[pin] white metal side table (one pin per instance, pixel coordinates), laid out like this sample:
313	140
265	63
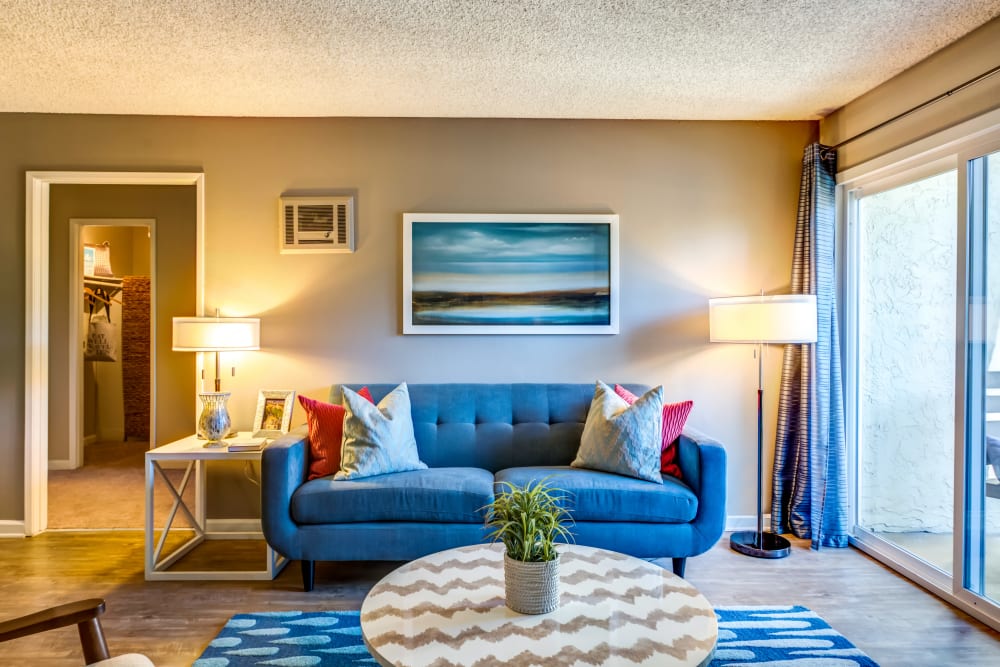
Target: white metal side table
193	450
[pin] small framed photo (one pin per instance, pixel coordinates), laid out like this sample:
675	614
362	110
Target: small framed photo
274	412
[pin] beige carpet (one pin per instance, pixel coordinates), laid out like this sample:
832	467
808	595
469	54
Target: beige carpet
108	491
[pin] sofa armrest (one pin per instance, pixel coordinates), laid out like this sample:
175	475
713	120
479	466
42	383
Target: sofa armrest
284	467
703	464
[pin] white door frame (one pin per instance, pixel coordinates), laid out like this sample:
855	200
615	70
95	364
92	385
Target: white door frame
76	335
36	339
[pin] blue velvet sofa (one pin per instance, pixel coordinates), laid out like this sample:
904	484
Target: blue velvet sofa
472	436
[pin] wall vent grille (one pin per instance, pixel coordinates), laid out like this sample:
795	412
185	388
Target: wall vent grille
316	224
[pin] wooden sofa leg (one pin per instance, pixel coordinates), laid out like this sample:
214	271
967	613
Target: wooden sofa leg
308	574
679	564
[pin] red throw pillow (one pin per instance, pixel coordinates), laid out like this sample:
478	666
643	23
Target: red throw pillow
326	433
674	417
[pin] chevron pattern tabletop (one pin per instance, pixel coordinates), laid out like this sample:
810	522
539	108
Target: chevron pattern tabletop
447	609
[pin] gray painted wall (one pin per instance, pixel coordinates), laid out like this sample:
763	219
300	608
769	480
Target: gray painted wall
707	209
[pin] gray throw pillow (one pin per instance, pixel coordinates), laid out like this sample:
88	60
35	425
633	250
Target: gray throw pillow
622	438
378	439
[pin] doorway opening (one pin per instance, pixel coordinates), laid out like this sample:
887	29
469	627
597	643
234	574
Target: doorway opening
111	424
46	393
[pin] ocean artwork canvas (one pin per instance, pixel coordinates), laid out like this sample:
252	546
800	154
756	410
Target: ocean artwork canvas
510	274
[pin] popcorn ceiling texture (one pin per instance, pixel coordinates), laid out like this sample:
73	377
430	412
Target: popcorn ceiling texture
685	59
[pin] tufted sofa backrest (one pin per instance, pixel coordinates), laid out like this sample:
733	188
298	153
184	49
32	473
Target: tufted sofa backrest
495	426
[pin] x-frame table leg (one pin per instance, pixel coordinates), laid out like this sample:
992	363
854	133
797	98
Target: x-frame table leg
153	560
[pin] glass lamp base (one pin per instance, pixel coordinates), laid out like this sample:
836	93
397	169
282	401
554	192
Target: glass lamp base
760	545
214	421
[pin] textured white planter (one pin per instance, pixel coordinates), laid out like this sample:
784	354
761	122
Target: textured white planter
531	588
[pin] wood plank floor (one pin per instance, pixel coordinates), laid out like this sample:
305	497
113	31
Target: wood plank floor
894	621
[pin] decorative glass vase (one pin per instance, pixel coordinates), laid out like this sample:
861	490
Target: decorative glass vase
531	588
214	422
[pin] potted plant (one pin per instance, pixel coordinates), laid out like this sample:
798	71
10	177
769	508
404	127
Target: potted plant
529	520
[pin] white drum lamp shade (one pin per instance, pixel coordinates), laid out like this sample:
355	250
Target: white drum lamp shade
214	334
783	318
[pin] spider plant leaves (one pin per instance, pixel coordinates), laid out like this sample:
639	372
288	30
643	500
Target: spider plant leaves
530	520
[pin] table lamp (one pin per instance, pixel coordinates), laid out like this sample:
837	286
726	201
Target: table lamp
784	318
215	334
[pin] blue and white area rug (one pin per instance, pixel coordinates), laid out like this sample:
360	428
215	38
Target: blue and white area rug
779	636
772	636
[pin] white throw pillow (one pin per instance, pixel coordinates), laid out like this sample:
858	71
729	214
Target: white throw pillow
378	439
621	438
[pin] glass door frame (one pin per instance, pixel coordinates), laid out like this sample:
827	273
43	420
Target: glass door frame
970	376
950	149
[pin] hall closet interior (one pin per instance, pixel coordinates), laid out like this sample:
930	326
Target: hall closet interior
116	286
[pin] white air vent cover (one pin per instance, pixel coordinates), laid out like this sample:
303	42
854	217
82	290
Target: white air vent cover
316	224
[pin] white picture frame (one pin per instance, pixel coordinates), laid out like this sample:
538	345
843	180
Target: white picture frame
274	412
470	273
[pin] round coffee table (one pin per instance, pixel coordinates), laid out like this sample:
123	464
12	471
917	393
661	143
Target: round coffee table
447	609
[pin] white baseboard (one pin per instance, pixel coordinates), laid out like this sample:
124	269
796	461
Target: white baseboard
245	528
221	528
745	522
60	464
89	440
10	528
232	529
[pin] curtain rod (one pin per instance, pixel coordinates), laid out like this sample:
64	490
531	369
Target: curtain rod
923	105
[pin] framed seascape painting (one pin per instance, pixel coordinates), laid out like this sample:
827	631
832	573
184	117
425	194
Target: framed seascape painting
510	274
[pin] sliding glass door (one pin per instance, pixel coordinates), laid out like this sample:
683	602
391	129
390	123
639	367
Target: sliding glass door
922	294
906	366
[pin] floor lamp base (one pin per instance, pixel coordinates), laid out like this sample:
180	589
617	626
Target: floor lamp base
760	545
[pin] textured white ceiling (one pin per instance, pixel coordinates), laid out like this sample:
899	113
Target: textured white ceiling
682	59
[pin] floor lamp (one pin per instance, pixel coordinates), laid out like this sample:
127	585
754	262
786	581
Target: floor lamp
785	318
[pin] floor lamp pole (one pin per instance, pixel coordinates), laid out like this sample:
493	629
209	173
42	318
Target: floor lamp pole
758	543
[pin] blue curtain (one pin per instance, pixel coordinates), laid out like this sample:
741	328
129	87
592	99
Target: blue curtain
810	453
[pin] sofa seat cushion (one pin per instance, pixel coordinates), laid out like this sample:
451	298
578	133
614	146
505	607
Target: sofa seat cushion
603	496
440	495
